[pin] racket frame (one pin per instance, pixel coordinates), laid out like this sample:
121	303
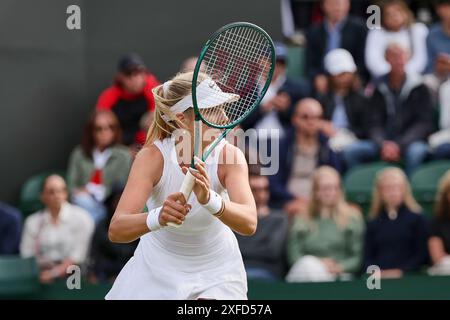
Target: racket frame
198	116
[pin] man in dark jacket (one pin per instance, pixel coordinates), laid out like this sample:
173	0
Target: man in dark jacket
338	30
344	107
401	115
302	150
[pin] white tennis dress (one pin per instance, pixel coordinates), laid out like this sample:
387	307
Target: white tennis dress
200	259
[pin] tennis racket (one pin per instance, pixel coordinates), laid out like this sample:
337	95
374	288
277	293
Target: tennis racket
239	61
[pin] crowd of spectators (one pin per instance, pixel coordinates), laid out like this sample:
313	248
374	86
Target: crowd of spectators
367	95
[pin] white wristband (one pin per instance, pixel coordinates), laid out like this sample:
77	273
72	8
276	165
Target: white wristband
215	202
153	219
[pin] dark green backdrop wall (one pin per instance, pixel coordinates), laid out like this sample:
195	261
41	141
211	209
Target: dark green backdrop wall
51	76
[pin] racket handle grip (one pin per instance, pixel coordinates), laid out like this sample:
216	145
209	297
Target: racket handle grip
186	190
187	185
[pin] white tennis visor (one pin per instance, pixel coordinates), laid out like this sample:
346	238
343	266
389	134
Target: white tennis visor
209	95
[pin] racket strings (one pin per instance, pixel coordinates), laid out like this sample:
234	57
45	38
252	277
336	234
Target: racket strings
239	61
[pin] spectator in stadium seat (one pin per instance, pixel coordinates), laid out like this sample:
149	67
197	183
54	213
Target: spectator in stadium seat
398	26
59	235
130	97
10	229
345	108
401	115
108	258
438	78
264	253
299	15
275	109
438	44
326	242
98	163
396	235
439	242
338	30
302	150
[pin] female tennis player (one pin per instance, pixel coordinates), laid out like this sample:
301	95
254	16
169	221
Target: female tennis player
200	259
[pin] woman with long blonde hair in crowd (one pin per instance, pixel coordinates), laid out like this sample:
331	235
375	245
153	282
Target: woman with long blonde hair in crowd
396	235
327	241
439	242
200	259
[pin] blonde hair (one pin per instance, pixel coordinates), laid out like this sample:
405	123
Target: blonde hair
442	206
165	97
377	201
401	4
342	212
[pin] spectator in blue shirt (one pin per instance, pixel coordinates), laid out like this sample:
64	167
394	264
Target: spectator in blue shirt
437	78
438	41
10	229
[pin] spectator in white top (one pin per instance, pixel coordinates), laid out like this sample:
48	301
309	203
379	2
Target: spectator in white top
59	235
398	26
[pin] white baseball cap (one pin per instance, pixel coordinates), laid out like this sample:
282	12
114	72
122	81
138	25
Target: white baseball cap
338	61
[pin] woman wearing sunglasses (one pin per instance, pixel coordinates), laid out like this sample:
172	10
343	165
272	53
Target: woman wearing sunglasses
98	163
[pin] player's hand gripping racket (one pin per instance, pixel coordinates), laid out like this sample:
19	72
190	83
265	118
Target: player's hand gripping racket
238	61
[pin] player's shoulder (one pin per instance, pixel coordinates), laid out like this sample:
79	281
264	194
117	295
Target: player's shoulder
148	163
149	153
232	161
232	155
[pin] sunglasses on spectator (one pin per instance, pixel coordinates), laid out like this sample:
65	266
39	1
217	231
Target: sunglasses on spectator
52	191
103	128
309	117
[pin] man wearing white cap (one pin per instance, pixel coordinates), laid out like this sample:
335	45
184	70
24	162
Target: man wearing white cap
345	108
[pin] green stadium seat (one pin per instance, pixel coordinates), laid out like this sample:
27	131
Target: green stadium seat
296	62
18	276
359	181
425	181
30	194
